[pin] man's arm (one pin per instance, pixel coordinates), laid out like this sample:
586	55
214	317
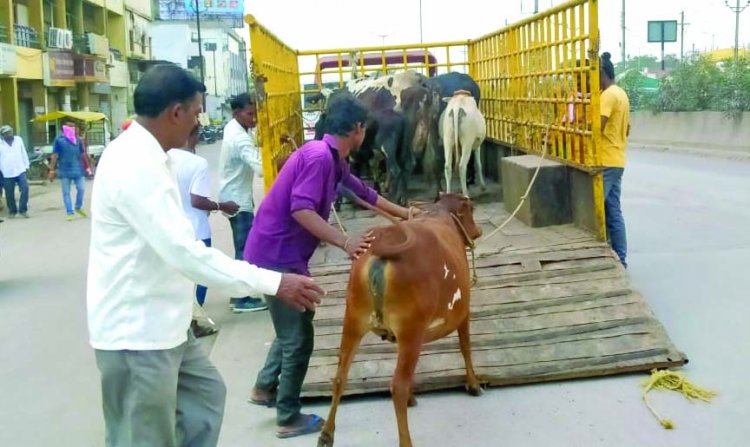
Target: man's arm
369	195
250	154
312	222
206	204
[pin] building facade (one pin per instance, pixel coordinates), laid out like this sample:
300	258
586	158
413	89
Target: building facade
69	55
223	58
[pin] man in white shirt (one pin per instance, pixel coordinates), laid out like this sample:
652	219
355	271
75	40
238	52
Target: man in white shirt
239	162
14	162
158	386
194	184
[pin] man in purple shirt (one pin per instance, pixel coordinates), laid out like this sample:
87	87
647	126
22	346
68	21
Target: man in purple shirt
289	225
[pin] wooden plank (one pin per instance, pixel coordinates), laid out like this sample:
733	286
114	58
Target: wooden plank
550	304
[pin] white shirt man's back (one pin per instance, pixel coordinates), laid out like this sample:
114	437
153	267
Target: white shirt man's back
192	178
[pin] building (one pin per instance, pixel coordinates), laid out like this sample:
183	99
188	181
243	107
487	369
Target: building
223	55
69	55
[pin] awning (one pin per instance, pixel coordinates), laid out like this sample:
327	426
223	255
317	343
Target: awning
80	116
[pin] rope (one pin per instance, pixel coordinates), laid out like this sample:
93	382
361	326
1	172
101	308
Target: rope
472	246
528	189
675	381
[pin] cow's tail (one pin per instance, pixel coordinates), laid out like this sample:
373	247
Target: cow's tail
391	241
376	288
456	115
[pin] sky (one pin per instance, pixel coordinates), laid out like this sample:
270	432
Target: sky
320	24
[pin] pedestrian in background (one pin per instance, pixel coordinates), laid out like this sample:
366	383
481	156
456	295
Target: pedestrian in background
239	163
615	121
68	162
194	183
14	162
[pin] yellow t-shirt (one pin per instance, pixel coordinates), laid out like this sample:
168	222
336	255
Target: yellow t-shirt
616	107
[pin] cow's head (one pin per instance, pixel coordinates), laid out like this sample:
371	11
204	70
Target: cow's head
463	209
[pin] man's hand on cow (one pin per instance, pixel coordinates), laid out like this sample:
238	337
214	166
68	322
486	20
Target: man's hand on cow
356	246
299	291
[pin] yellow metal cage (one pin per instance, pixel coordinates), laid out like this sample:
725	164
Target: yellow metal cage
539	80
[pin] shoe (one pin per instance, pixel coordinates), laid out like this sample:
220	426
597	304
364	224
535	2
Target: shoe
249	305
202	331
233	301
81	212
70	217
25	215
12	216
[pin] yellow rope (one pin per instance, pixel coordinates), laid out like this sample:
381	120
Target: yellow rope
675	381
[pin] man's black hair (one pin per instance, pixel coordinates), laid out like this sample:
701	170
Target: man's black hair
163	85
343	113
607	66
241	101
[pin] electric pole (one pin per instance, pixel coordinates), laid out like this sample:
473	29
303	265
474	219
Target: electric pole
420	21
622	25
682	35
737	9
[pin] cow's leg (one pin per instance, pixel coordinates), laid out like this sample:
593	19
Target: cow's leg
478	162
448	168
354	329
464	163
464	340
409	346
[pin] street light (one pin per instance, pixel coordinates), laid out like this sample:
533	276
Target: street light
737	9
382	38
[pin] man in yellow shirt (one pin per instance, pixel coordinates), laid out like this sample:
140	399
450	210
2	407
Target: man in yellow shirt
615	116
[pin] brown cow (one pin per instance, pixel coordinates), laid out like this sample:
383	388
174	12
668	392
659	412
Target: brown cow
411	287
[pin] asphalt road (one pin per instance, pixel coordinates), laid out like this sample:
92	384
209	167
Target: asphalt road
687	218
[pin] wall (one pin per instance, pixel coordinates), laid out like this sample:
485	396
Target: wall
142	7
696	130
29	63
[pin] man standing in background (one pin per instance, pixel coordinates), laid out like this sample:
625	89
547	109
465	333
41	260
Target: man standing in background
194	184
14	162
238	164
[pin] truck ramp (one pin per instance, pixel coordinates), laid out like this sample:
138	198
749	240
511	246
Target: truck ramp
550	304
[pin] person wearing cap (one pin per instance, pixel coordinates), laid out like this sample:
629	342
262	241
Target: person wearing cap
14	162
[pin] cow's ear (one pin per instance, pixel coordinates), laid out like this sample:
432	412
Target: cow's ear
446	100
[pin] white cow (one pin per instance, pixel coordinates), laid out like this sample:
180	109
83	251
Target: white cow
463	129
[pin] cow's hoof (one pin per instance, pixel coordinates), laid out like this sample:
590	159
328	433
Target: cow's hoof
325	440
474	390
412	401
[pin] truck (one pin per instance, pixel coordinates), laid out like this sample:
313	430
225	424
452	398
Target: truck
552	300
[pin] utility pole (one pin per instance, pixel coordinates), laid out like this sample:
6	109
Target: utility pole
682	35
420	21
737	9
200	48
622	25
536	6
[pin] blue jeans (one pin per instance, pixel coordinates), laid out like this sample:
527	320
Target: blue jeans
613	212
80	189
200	291
9	183
241	224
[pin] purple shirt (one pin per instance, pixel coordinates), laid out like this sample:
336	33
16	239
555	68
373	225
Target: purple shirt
306	182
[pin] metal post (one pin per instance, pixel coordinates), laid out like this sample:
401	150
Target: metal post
682	36
737	12
662	46
200	48
216	90
737	9
623	31
420	21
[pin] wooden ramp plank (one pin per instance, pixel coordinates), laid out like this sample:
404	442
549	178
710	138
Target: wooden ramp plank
550	304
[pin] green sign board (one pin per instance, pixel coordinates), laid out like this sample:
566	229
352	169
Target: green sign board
662	31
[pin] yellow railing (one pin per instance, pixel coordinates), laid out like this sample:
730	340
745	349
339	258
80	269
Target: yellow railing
539	80
275	75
